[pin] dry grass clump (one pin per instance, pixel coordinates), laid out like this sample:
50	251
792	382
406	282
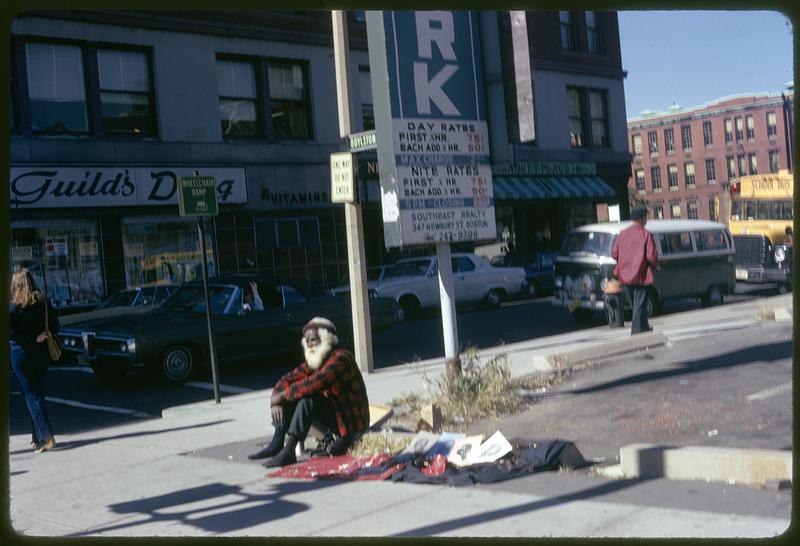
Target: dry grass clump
481	391
372	444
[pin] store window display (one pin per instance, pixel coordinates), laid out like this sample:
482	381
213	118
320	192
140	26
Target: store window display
64	258
163	252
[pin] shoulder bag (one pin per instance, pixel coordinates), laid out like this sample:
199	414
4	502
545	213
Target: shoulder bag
53	345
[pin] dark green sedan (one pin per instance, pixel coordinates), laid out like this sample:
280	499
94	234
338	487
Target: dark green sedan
172	340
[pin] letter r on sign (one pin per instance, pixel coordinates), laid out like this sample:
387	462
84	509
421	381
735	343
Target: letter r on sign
444	36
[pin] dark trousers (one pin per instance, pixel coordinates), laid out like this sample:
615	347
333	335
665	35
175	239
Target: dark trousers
637	296
315	410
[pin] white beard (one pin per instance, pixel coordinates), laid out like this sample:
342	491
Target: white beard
315	356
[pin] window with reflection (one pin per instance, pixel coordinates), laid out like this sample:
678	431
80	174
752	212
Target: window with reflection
238	98
125	92
56	88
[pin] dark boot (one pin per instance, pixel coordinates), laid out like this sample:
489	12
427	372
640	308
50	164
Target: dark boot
286	455
274	446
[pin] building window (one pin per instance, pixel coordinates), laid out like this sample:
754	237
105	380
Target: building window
711	171
655	178
365	86
595	124
691	210
238	98
740	159
64	258
125	92
739	129
636	141
772	125
289	100
708	138
652	142
568	33
672	177
688	174
640	187
658	212
712	210
669	141
751	128
594	30
56	88
728	131
686	137
675	210
774	161
752	162
731	167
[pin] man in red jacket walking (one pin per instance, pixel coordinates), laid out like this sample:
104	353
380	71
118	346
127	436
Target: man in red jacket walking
327	389
636	256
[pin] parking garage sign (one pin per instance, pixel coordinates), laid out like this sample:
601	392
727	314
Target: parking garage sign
432	134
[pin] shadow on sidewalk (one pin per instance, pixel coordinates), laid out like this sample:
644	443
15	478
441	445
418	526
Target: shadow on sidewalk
64	446
776	351
216	508
479	519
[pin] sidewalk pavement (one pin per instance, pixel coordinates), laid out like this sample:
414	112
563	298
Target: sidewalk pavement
150	478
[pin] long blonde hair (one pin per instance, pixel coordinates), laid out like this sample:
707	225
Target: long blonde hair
23	289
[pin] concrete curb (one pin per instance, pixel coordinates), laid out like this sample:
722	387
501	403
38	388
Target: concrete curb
635	343
759	467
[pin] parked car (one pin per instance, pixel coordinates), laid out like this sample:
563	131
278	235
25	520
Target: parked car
172	340
374	274
539	269
695	259
413	282
123	302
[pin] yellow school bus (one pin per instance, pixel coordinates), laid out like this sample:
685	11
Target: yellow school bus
760	219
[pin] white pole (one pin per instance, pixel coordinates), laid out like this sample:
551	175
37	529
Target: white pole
359	301
448	300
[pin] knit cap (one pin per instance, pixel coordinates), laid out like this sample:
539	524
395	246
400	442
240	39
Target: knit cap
320	322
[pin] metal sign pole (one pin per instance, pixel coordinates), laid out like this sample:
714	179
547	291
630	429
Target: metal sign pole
448	300
209	322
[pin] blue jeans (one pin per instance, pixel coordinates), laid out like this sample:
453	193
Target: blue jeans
30	373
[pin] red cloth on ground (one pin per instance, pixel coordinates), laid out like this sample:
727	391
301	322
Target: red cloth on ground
343	467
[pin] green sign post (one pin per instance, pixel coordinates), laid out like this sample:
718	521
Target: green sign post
197	196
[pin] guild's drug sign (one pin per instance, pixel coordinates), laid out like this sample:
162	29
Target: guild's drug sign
432	134
342	179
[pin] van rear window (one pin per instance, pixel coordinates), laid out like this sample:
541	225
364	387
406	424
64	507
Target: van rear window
587	242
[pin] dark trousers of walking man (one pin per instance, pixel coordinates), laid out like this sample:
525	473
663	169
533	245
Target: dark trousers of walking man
637	296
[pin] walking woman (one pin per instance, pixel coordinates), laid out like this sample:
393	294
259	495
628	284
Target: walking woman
29	355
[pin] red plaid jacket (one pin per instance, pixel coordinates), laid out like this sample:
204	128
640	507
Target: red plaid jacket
339	380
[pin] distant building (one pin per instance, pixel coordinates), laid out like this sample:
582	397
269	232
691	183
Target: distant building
683	158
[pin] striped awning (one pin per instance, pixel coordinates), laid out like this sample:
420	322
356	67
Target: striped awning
550	187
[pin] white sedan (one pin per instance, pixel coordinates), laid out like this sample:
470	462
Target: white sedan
414	282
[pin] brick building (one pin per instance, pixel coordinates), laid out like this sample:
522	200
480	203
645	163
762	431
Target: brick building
684	157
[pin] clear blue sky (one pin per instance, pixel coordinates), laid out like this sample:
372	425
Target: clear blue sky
693	57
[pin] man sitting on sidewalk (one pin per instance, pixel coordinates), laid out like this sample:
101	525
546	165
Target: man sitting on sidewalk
327	389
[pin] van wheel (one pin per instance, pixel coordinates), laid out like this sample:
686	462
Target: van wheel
650	305
713	297
583	315
784	288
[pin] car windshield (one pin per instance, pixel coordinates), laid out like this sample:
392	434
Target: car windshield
413	268
123	298
587	242
191	298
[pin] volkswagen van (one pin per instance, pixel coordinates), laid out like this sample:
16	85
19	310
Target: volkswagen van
695	260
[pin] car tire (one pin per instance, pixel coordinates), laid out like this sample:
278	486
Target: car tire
533	290
494	297
713	297
177	363
410	306
108	375
651	305
784	287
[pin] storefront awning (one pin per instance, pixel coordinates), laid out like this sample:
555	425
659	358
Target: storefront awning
550	187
